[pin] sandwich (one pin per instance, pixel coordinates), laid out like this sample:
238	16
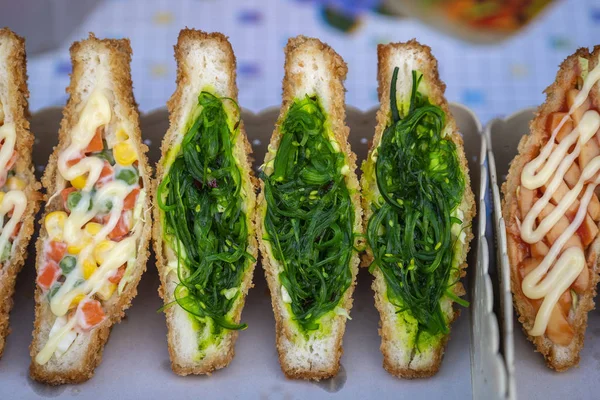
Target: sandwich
551	211
204	235
309	213
19	197
93	242
418	211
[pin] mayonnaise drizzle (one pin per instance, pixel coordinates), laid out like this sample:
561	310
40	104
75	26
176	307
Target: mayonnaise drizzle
96	113
552	164
14	200
9	135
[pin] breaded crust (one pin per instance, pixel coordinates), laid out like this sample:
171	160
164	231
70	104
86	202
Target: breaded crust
557	357
334	105
14	96
178	112
89	350
429	68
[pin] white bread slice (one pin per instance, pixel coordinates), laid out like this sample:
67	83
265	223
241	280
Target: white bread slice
400	357
96	63
557	357
14	109
311	68
203	60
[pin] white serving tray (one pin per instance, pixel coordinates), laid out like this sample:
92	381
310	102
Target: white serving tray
136	361
530	377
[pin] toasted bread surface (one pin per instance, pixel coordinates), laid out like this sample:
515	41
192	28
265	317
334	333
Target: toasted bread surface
400	359
311	68
557	357
14	96
205	61
92	59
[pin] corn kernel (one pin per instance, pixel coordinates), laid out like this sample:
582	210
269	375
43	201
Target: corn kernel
79	182
101	249
106	291
77	247
122	135
124	153
1	197
89	267
93	228
55	223
76	300
14	183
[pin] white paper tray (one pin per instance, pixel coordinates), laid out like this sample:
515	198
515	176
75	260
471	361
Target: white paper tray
529	376
136	361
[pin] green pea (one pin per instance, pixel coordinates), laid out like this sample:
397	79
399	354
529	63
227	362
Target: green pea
6	252
106	154
73	199
53	291
108	205
129	176
67	264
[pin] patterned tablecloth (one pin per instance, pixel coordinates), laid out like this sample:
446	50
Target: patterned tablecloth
494	80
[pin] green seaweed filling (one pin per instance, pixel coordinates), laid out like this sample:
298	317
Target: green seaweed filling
203	217
309	216
421	185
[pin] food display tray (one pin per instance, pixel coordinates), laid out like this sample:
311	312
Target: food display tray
136	361
528	374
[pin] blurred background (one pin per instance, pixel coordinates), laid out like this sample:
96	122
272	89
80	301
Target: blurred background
496	56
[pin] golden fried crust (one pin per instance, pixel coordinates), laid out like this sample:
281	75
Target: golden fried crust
177	108
17	107
557	357
429	68
337	70
119	65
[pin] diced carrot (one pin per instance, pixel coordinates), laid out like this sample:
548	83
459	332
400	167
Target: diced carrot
116	278
106	175
528	265
559	331
130	200
554	120
558	228
122	228
12	160
96	142
557	196
56	250
587	231
48	275
65	195
594	208
16	231
564	302
525	199
578	113
539	250
572	175
589	151
75	160
582	282
93	314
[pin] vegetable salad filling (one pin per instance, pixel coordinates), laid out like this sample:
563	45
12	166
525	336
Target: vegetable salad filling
309	215
412	232
205	222
13	201
92	239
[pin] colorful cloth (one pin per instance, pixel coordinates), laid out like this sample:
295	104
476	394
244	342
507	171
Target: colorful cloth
493	80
